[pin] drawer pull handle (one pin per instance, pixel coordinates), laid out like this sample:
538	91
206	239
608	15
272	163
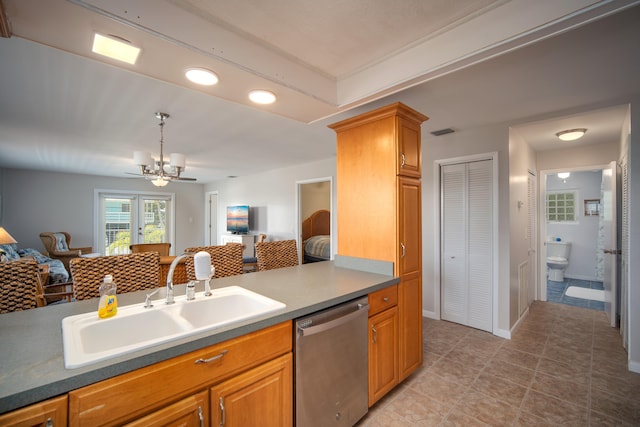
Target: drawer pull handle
214	358
403	160
374	336
385	299
200	416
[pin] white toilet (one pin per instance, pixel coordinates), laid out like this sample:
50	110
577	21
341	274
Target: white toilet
558	259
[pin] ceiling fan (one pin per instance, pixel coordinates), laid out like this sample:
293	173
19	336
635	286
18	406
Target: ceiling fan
160	172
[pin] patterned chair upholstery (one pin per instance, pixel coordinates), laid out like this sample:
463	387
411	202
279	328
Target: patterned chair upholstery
227	259
58	246
20	287
133	272
57	272
278	254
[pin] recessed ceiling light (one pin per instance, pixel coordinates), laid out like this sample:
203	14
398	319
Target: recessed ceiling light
261	96
201	76
115	48
571	134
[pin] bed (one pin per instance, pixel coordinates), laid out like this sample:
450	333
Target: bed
316	237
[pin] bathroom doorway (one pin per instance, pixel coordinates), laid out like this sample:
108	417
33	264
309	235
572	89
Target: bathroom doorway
572	212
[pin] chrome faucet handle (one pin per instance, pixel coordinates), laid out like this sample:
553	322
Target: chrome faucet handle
191	290
207	283
147	299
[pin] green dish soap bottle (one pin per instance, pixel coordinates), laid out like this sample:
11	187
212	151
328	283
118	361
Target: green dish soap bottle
108	305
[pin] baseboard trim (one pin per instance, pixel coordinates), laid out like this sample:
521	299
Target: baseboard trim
634	366
430	314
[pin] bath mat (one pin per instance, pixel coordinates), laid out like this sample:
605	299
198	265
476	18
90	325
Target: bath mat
585	293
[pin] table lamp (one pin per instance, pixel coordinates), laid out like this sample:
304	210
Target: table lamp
5	239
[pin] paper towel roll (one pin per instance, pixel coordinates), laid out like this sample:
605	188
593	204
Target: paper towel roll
202	265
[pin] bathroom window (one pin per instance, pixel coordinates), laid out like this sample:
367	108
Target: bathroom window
561	206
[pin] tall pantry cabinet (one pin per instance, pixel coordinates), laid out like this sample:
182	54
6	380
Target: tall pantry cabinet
379	208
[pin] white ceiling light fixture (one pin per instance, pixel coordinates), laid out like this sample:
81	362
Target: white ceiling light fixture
115	48
563	176
201	76
160	172
261	96
571	134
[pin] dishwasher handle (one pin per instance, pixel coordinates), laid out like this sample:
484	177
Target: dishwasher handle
311	330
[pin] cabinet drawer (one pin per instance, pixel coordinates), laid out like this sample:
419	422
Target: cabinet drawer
131	395
52	412
383	299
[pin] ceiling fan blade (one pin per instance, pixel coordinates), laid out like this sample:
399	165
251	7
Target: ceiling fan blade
185	179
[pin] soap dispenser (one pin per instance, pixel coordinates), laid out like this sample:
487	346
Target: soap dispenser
108	305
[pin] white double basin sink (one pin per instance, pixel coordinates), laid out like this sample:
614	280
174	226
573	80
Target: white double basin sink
88	339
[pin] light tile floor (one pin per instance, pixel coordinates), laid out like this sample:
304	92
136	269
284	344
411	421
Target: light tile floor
563	367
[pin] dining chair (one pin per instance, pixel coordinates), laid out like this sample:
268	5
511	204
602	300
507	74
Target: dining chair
278	254
227	259
162	248
250	264
20	287
132	272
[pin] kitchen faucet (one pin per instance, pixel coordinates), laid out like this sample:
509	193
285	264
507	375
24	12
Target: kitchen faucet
172	267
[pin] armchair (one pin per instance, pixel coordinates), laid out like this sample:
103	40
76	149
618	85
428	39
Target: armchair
58	246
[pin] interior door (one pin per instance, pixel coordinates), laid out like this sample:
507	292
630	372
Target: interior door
609	223
467	244
212	219
532	235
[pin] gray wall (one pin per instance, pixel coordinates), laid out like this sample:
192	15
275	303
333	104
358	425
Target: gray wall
36	201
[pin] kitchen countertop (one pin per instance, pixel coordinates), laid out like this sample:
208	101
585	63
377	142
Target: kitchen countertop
31	354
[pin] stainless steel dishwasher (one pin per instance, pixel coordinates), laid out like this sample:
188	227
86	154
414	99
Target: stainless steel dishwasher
331	363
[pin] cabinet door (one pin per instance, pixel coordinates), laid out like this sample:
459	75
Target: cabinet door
410	325
52	412
409	153
383	353
192	411
410	272
262	397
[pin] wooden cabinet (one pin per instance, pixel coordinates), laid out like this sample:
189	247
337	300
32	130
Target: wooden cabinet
410	272
379	208
136	394
262	396
50	413
191	411
383	353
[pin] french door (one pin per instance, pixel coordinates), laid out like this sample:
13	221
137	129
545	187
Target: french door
126	218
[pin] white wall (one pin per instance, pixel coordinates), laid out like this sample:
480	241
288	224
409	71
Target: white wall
521	160
634	237
272	197
463	143
583	234
36	201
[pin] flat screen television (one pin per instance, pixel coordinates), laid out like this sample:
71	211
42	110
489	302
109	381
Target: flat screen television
238	219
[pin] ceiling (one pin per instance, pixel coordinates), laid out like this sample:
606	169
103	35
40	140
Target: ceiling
541	67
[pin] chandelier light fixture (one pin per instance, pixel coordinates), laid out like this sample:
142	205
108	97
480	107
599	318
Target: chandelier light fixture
160	172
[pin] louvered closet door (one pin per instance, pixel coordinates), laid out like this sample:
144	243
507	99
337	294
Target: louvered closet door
466	239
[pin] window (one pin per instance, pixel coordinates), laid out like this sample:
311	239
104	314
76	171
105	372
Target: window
561	206
128	218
